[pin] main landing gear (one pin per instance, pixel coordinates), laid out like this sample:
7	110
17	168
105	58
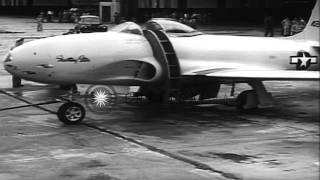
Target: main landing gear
247	100
73	113
254	99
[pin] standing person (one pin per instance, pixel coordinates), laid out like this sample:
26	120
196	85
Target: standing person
268	25
174	15
60	14
39	21
302	21
117	18
301	24
286	26
49	16
294	26
186	19
193	21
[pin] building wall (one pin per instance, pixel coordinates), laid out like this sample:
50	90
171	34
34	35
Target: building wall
13	2
88	2
225	10
33	7
50	3
202	4
142	10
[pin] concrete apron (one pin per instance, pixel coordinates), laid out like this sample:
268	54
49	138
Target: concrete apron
143	142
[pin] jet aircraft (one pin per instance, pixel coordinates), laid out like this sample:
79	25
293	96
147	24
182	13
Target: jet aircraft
168	59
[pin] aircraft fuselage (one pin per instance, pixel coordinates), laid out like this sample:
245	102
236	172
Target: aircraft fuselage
127	59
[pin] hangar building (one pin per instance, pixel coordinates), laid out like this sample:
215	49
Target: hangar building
211	11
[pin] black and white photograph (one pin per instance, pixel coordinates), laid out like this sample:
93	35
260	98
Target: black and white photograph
159	89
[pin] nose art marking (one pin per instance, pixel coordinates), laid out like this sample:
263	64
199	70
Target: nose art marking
46	66
29	72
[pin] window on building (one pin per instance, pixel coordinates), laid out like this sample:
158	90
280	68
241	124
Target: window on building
233	3
158	3
13	2
273	3
202	3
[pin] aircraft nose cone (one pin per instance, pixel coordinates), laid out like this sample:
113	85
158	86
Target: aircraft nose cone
9	63
12	62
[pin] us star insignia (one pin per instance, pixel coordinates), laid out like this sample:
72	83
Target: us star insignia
315	23
303	60
101	98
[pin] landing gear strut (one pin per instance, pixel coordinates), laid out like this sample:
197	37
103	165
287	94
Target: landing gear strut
256	98
247	100
71	113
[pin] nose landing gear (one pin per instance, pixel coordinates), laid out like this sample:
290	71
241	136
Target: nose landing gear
71	113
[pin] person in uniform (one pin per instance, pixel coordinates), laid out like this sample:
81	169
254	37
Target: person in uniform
286	26
39	22
268	25
301	24
294	26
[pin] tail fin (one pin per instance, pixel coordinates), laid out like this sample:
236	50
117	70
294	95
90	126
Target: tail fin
312	29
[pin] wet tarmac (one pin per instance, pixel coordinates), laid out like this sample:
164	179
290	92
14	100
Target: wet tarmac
140	141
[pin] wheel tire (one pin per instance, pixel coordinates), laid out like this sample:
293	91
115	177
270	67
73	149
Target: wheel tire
242	100
71	113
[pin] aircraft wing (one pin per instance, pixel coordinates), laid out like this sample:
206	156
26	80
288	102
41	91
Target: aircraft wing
239	74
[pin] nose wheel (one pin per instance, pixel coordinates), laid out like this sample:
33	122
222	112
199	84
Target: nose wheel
71	113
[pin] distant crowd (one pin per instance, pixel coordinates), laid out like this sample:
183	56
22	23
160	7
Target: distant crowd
65	16
289	26
292	27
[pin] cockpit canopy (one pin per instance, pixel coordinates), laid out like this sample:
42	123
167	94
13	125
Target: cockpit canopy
128	27
168	26
171	27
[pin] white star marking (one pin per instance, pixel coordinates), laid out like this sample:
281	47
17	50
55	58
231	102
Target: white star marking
304	60
100	98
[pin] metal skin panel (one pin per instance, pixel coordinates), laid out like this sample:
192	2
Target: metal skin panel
84	58
233	52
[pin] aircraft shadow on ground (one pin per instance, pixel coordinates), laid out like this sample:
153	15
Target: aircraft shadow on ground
174	120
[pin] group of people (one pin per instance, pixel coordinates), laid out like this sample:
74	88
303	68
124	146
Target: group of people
72	15
289	27
292	27
191	21
42	17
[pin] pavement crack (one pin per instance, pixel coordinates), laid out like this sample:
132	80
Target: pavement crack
192	162
30	104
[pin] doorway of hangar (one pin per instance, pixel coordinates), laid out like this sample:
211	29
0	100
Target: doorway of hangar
106	14
107	10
